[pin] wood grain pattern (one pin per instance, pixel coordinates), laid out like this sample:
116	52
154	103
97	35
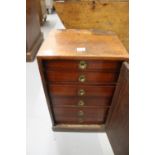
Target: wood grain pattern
117	127
107	15
73	101
74	77
74	65
71	115
79	127
72	90
63	44
47	94
59	67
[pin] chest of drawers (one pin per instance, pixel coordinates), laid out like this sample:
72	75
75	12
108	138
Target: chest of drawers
79	71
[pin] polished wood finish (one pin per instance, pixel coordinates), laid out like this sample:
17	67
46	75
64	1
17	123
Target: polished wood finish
71	115
73	101
105	72
63	44
88	77
79	89
117	127
34	36
91	65
72	90
107	15
79	128
44	83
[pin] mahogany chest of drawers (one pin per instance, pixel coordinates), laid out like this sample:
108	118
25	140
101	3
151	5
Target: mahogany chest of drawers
79	71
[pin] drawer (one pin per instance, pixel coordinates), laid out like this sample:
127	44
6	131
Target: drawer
82	77
81	101
82	65
81	90
80	115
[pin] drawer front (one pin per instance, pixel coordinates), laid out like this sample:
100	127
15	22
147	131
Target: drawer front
82	65
81	91
82	77
81	101
80	115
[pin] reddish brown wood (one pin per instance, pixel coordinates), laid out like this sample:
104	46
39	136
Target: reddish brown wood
47	94
117	126
72	90
88	101
63	44
59	66
90	77
71	115
74	65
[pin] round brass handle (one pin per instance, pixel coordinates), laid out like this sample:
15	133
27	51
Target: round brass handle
81	103
82	65
82	78
80	113
81	92
81	120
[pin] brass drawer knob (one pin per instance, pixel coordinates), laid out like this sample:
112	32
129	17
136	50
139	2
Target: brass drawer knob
82	65
80	113
80	120
81	103
81	92
82	78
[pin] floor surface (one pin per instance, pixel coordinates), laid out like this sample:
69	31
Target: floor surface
41	140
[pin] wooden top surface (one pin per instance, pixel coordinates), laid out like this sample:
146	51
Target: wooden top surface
65	44
92	0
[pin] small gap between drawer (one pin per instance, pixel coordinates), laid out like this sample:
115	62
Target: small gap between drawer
83	84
